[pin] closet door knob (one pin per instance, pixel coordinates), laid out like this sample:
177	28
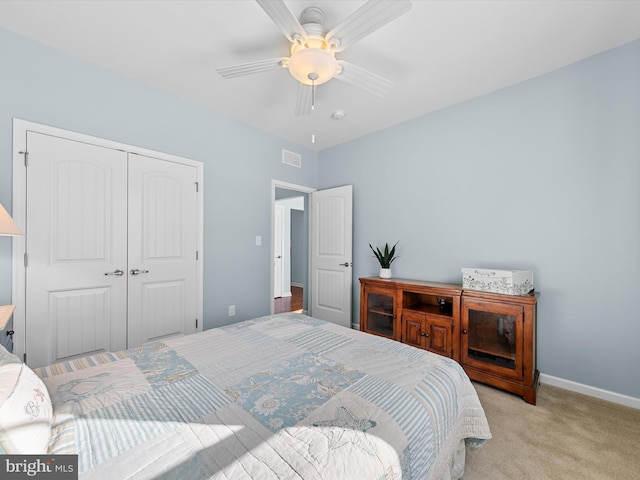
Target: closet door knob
135	271
117	273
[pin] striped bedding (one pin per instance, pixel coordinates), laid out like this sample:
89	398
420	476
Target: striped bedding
279	397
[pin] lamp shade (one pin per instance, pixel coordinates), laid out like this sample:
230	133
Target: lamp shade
7	226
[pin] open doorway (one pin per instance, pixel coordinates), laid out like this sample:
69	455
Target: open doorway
298	247
290	251
328	233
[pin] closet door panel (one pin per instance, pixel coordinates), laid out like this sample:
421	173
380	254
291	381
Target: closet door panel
162	249
75	241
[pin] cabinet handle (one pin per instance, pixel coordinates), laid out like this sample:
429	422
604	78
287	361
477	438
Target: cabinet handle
423	334
464	331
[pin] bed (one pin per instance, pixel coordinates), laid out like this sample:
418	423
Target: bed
284	396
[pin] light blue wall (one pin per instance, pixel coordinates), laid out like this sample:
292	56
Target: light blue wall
42	85
541	176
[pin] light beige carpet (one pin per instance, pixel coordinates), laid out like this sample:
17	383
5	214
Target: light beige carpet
565	436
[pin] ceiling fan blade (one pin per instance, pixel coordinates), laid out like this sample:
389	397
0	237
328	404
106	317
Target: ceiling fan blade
284	19
303	103
364	79
251	67
368	18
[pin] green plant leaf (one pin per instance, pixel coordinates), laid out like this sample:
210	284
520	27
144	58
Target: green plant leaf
385	257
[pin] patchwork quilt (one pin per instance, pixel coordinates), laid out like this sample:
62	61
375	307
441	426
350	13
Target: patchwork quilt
279	397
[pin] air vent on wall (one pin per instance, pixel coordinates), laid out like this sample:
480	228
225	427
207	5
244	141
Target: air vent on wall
291	158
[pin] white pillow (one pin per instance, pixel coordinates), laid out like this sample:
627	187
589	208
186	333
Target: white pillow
25	411
7	357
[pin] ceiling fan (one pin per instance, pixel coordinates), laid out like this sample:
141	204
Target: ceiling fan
312	58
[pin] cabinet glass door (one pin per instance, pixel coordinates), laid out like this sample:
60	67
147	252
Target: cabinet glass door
380	314
493	337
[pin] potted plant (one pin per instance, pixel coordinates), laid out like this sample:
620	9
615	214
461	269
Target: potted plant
385	258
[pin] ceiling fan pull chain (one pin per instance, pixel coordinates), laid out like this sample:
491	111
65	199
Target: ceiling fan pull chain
313	102
313	77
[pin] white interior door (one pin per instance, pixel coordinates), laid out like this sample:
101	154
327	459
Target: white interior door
76	239
162	249
331	254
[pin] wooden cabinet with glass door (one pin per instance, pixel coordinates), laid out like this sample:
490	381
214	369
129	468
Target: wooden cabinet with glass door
498	341
492	335
378	308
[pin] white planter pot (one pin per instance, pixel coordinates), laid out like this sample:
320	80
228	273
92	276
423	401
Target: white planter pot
385	273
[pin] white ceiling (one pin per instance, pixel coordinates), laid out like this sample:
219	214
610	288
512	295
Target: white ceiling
439	53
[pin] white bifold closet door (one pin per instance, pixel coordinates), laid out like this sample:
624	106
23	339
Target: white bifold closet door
111	239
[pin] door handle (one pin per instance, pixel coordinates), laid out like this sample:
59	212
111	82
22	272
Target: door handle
117	273
345	264
279	256
135	271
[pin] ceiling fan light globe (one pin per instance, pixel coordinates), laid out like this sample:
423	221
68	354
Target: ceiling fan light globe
313	60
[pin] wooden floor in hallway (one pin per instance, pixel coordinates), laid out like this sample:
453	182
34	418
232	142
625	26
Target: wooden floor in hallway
289	304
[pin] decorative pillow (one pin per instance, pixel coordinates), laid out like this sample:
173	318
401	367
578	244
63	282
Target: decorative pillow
25	410
7	357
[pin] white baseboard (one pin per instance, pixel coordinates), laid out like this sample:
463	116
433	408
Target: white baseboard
293	284
625	400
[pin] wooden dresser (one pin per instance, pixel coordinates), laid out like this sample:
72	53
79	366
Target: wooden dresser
493	336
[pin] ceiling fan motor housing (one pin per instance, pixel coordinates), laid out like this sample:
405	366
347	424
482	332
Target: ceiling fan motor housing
312	15
313	63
